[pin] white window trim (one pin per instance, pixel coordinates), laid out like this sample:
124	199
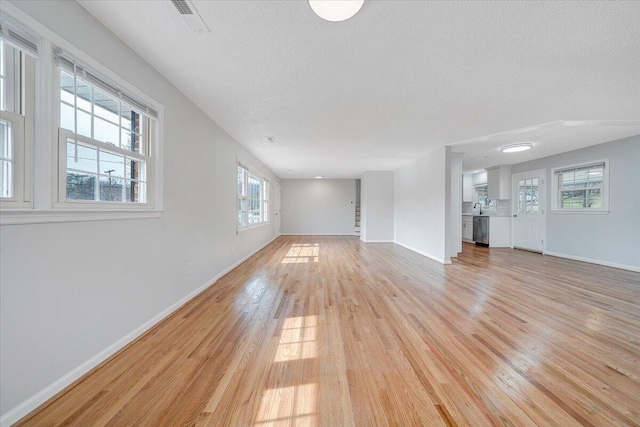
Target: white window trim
589	211
256	172
17	138
22	144
43	208
64	136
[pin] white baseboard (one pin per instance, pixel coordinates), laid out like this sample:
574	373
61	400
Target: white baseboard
594	261
440	260
24	408
317	234
376	241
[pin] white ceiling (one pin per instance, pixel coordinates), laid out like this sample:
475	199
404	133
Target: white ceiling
396	80
547	139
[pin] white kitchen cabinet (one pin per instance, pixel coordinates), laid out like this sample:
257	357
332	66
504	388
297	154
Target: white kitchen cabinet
499	183
467	188
499	232
467	228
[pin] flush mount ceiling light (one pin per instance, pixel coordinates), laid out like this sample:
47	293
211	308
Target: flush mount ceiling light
318	177
335	10
514	148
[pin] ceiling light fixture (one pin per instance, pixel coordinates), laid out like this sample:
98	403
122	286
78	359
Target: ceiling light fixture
318	177
335	10
514	148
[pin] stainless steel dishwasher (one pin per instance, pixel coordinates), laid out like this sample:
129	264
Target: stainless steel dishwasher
481	230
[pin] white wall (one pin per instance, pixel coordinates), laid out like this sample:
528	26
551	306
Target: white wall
454	196
318	206
612	238
377	206
420	205
71	290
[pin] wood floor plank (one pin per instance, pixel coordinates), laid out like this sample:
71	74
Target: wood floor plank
329	331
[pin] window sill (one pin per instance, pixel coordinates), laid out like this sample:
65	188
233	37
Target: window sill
17	217
579	211
251	227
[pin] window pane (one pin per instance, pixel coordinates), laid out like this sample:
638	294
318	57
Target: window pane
86	161
111	164
573	199
84	123
2	57
66	87
2	91
6	179
67	118
84	94
66	96
254	216
534	196
241	182
135	169
595	198
5	139
581	188
131	141
135	192
81	186
521	195
106	132
106	106
111	189
130	119
567	180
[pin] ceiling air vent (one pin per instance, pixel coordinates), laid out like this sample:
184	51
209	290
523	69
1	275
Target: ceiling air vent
182	7
190	15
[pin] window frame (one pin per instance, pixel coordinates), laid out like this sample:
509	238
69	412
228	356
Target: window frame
22	123
63	135
491	206
41	181
264	216
555	192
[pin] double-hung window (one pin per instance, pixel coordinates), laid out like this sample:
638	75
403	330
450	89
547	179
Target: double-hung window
582	188
105	141
18	53
253	197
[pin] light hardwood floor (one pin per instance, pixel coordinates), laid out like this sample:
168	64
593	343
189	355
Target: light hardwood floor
329	331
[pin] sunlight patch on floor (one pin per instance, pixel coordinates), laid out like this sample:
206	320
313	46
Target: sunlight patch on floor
294	405
302	253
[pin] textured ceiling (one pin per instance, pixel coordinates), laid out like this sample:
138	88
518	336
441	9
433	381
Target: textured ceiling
547	139
393	82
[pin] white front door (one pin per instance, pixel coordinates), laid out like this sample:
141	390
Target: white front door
276	210
529	221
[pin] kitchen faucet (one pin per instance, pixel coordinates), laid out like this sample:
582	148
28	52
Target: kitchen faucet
478	203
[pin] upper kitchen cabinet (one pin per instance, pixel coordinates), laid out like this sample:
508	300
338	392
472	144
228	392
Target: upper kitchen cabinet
499	182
